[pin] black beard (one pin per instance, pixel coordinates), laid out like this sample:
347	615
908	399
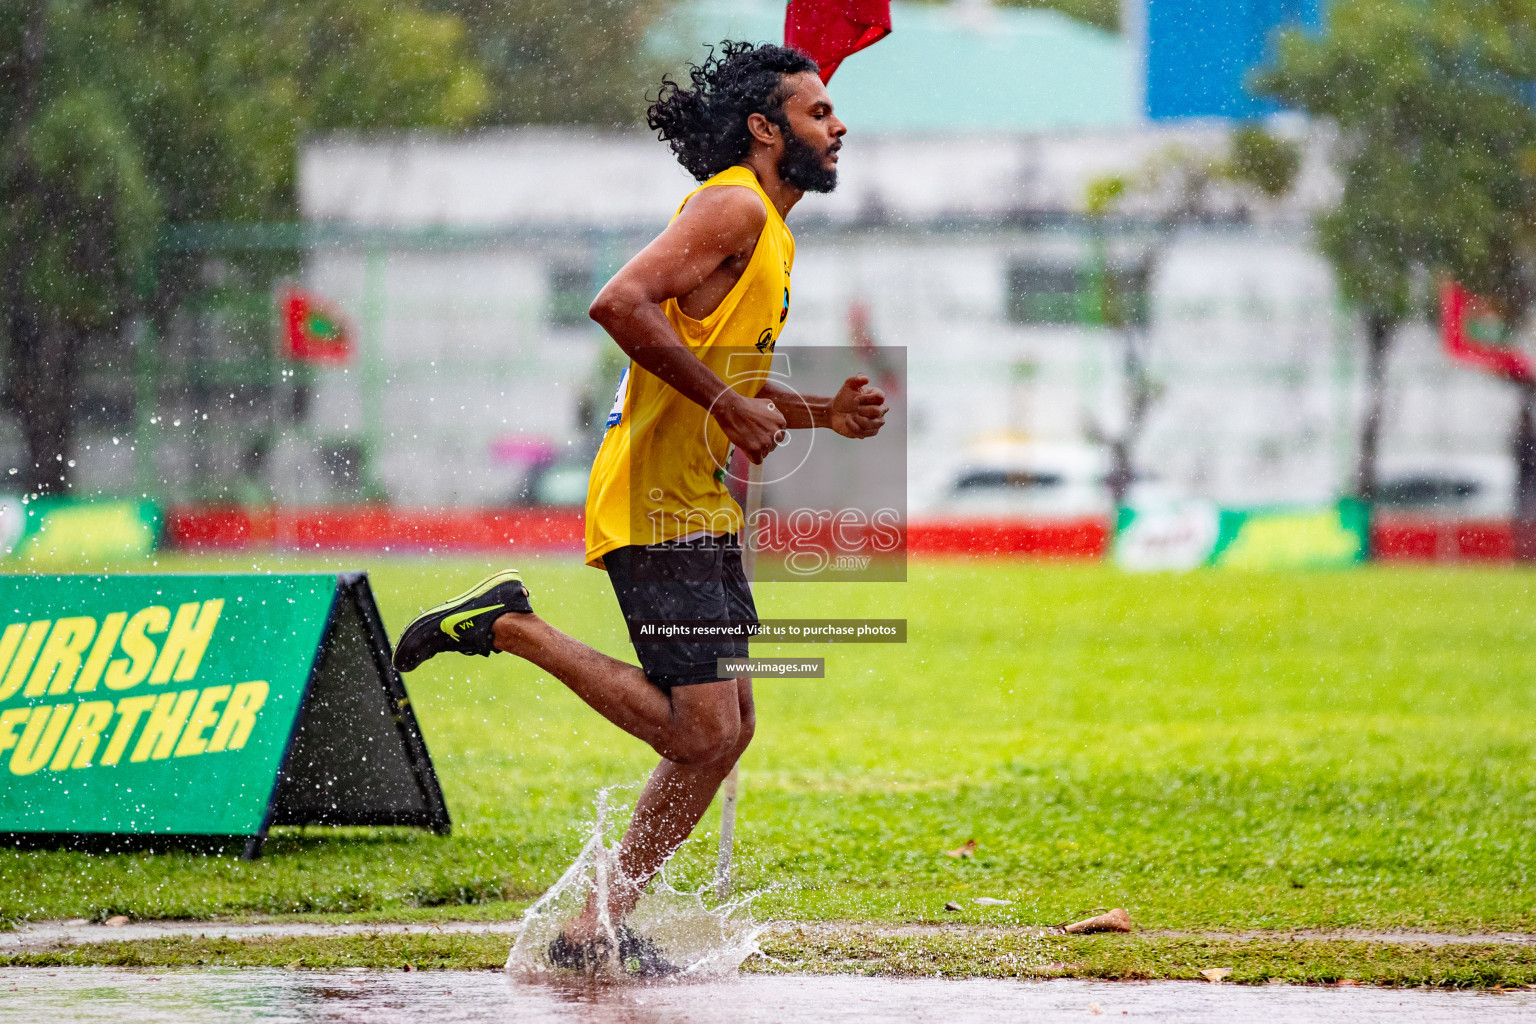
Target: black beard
803	166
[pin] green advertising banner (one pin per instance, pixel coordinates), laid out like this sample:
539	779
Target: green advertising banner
203	705
1293	538
1189	534
58	530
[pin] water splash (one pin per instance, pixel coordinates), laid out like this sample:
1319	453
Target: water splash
702	939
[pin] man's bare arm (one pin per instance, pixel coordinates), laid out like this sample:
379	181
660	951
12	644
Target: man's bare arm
716	225
857	410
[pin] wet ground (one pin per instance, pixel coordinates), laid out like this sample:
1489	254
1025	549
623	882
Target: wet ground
463	997
49	934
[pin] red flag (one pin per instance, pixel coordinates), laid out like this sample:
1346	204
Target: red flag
312	330
1473	332
830	30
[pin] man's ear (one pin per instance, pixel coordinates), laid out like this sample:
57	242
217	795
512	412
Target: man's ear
762	129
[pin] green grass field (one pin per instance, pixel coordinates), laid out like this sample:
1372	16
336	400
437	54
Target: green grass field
1214	751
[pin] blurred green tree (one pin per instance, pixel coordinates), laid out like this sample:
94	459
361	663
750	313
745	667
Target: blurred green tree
1103	14
120	116
1433	101
563	61
1177	186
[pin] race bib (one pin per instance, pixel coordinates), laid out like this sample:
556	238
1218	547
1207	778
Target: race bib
617	412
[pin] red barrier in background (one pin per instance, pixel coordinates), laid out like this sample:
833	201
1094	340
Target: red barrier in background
380	528
374	528
1430	540
1065	538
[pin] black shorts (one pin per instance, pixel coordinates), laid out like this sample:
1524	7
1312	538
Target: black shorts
698	580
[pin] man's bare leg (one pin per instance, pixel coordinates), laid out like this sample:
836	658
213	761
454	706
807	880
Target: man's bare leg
700	731
691	725
674	799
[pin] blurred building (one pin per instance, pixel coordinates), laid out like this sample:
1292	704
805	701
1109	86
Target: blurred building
466	264
957	227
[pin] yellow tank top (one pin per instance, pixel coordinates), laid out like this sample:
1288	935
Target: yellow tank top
660	473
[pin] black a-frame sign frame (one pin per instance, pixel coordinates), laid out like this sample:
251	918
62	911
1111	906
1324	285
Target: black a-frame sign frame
356	755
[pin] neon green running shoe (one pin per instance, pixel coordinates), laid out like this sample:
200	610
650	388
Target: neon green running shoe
462	625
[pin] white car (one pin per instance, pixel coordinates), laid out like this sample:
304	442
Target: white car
1446	486
1029	479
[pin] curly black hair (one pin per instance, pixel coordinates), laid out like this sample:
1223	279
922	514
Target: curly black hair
706	124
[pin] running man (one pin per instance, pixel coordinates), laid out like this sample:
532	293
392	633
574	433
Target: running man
702	304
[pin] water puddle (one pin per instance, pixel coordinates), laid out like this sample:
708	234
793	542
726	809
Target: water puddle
707	941
695	934
89	995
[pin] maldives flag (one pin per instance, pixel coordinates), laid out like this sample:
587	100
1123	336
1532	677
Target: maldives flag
1473	332
830	30
312	330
